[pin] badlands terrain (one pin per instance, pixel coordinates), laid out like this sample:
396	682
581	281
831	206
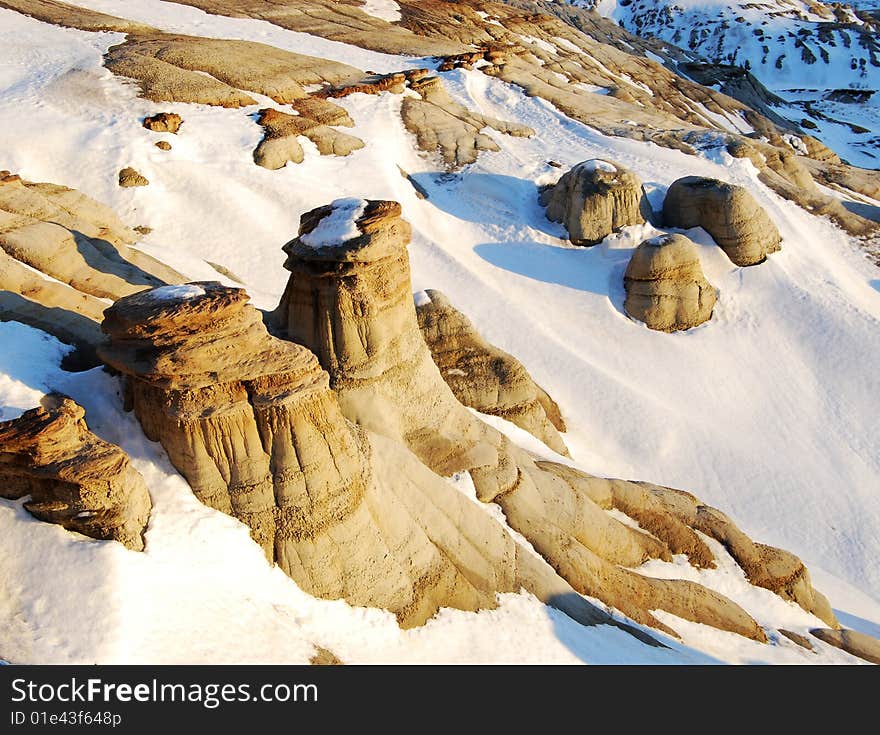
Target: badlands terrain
439	332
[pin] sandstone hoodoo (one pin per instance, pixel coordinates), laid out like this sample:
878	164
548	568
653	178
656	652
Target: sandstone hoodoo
727	212
163	122
251	423
482	376
349	300
594	199
73	478
665	285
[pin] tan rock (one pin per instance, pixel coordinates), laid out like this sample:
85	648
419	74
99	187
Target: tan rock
280	145
350	301
482	376
163	122
441	124
163	145
594	199
129	177
851	641
251	423
727	212
73	478
665	285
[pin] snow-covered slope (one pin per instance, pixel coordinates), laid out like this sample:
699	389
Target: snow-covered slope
802	51
768	411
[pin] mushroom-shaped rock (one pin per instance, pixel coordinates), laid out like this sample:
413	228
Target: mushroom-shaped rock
349	299
163	122
251	423
665	285
727	212
73	478
482	376
594	199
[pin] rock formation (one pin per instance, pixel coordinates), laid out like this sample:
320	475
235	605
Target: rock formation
665	285
482	376
594	199
163	145
129	177
858	644
84	249
73	478
349	300
280	144
727	212
163	122
441	124
251	423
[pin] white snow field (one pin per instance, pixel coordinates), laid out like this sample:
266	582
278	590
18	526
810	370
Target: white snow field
768	412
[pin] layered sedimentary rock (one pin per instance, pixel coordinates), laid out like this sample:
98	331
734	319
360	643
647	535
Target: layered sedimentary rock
163	122
251	423
665	285
73	478
484	377
594	199
727	212
280	144
349	300
84	249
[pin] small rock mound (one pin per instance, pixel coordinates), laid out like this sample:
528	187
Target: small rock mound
163	145
594	199
73	478
482	376
858	644
163	122
129	177
665	285
280	144
727	212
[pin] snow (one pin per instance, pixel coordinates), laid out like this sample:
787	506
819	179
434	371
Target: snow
597	164
175	293
767	412
421	298
384	9
339	226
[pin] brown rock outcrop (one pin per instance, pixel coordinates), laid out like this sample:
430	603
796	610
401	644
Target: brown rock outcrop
350	301
251	423
84	249
163	145
73	478
727	212
129	177
482	376
280	145
163	122
594	199
665	285
858	644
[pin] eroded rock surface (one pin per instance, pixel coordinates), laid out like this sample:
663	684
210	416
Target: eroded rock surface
130	177
484	377
665	285
594	199
349	300
83	248
858	644
727	212
280	144
251	423
73	478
